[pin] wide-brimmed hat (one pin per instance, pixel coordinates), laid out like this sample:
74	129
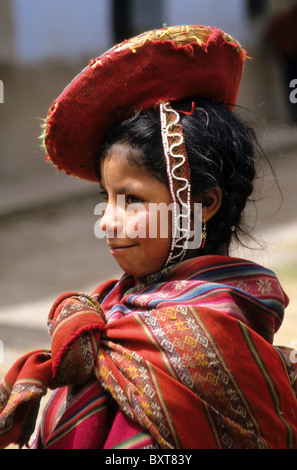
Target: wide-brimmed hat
169	64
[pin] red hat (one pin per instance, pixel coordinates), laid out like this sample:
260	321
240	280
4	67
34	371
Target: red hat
163	65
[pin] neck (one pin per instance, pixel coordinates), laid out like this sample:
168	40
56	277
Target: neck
222	250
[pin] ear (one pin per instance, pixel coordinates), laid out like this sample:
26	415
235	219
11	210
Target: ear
211	202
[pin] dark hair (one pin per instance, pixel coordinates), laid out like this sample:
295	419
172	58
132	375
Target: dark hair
221	151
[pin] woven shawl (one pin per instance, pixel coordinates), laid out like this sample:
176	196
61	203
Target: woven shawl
188	361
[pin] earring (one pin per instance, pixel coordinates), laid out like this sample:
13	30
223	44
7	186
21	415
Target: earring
203	236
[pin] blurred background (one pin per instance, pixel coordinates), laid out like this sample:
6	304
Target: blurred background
47	241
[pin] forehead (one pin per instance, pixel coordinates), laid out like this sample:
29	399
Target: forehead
122	162
121	176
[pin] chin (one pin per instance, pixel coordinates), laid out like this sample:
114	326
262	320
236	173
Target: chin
140	273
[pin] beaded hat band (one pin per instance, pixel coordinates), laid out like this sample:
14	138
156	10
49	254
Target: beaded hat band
178	173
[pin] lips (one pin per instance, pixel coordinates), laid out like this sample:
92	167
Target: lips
118	249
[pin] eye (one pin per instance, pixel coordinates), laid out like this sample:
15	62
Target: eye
133	199
104	195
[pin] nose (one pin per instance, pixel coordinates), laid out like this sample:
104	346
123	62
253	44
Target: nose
112	221
108	221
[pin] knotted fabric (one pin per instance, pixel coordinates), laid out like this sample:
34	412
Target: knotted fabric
75	323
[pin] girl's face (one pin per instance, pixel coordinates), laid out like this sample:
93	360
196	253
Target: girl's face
137	238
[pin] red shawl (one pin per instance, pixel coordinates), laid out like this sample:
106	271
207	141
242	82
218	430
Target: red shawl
188	359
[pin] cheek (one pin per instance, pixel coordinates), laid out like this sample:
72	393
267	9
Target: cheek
159	222
136	225
156	251
158	242
153	223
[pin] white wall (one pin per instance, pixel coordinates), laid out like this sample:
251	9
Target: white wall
46	29
228	15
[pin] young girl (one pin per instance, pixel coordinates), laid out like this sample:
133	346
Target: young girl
178	353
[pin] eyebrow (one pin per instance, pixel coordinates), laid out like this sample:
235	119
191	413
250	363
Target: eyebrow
122	189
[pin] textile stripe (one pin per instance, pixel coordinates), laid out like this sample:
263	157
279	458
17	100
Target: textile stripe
71	317
228	371
288	369
270	384
156	345
163	404
212	424
30	381
95	406
132	442
5	387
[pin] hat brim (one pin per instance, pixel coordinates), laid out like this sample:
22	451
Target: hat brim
138	76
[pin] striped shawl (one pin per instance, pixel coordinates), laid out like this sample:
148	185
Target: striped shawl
185	361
